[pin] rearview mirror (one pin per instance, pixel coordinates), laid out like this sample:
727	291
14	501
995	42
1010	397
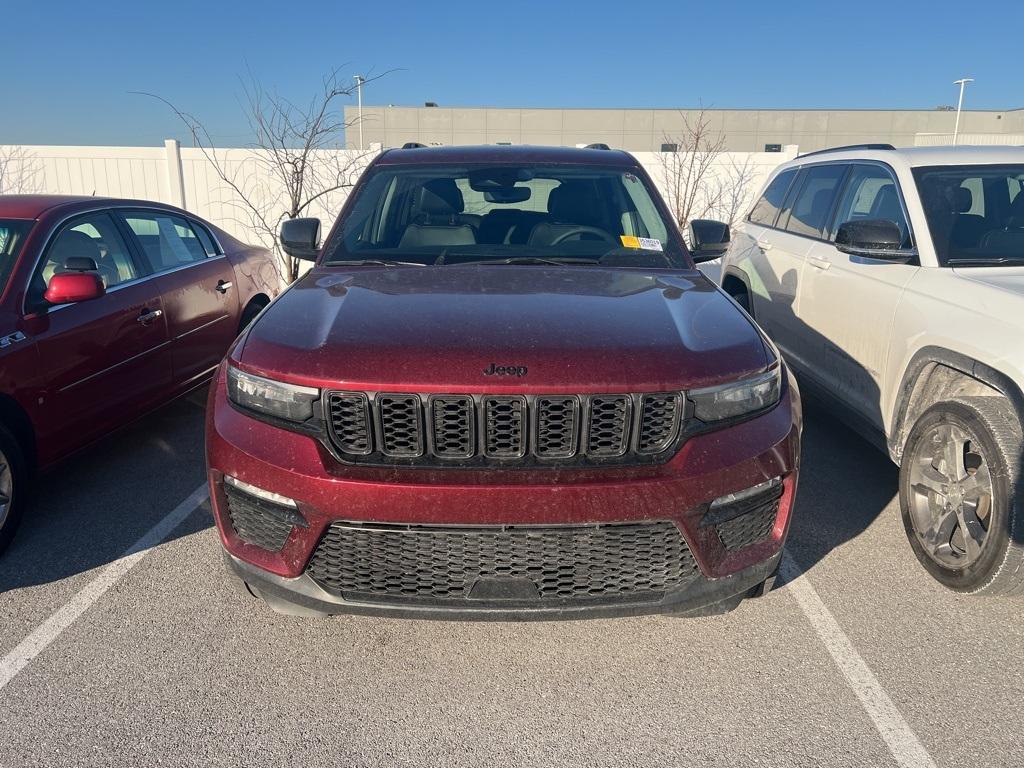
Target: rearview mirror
708	239
873	239
73	286
506	195
300	238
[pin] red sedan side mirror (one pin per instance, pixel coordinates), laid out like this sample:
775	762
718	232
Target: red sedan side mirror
68	287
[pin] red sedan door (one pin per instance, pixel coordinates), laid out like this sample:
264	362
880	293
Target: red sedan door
101	362
197	286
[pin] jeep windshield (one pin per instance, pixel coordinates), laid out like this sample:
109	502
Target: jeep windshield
506	214
12	235
975	213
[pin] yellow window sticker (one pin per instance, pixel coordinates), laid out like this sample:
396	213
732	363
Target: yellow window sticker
644	243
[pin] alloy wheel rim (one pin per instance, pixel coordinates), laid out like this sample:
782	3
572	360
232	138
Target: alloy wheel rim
6	488
951	496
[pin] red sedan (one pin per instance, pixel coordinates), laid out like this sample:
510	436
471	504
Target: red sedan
108	309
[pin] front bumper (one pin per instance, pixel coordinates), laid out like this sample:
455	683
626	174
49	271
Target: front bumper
706	467
305	593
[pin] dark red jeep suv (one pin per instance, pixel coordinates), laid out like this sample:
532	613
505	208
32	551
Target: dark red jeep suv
503	391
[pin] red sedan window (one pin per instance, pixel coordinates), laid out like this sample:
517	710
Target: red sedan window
12	235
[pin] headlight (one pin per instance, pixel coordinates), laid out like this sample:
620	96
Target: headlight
274	398
727	401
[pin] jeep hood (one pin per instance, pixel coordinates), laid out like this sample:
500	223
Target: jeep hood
574	329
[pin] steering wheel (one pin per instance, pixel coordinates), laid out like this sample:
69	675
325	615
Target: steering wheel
576	231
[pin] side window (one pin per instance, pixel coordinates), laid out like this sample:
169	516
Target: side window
812	206
204	237
767	208
168	240
871	193
93	236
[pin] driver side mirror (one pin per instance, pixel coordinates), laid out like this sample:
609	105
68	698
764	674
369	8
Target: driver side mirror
79	281
708	239
873	239
300	238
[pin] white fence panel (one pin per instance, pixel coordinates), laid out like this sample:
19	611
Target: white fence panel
186	177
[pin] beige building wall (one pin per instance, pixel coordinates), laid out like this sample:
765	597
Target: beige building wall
644	130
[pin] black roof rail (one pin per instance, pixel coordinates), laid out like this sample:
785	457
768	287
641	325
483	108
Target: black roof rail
413	145
849	146
599	145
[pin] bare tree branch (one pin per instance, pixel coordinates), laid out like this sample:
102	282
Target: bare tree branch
298	148
687	168
20	171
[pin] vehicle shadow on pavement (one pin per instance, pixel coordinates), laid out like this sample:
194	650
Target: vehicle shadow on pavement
846	480
845	484
91	508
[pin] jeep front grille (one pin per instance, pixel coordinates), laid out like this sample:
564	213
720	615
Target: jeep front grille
537	564
503	430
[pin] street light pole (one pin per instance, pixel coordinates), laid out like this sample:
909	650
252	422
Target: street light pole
359	95
962	82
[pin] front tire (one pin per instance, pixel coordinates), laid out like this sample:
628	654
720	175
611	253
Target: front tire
13	487
959	497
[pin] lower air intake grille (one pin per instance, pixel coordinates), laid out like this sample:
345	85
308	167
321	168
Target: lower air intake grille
750	527
258	522
443	564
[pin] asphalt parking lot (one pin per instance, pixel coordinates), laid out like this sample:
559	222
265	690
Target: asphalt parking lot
859	659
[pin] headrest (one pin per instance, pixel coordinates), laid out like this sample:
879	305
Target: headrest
71	244
1015	217
887	204
441	197
964	200
573	201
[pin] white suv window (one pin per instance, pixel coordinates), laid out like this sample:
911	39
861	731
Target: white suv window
810	210
871	193
767	208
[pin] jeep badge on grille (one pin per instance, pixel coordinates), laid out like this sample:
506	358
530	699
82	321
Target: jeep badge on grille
505	370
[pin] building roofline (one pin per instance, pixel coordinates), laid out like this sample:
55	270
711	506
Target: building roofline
928	110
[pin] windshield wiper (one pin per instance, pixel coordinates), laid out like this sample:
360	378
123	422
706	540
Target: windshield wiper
374	263
558	262
992	261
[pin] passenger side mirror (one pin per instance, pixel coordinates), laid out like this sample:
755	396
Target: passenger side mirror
708	239
79	281
300	238
873	239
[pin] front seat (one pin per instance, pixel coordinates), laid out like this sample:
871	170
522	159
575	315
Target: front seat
968	228
439	219
886	205
571	205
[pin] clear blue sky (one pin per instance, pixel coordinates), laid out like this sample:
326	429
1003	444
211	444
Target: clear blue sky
69	65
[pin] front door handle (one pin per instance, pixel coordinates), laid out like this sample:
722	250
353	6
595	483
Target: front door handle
149	315
764	245
820	263
223	285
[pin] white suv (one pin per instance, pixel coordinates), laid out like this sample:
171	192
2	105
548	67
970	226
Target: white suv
893	282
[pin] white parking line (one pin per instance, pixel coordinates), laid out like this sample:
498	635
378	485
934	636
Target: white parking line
64	617
902	742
